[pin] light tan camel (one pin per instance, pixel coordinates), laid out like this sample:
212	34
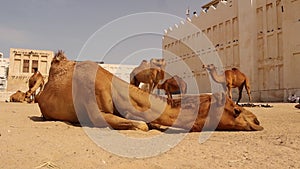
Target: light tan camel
88	93
234	78
36	81
173	85
19	96
149	73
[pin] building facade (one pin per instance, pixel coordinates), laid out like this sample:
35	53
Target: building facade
4	63
22	63
121	71
259	37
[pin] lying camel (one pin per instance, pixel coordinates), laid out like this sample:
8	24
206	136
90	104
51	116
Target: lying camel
234	78
36	81
85	92
19	96
173	85
148	73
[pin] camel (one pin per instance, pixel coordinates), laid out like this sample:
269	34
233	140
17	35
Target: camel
85	92
149	73
173	85
19	96
36	81
298	105
234	78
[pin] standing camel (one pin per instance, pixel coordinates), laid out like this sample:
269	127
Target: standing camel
234	78
35	81
149	73
173	85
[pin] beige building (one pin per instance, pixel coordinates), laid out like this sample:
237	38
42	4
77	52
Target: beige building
260	37
22	63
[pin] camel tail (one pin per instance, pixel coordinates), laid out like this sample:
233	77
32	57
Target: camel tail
247	83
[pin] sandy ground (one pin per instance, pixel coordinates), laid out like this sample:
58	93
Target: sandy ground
26	142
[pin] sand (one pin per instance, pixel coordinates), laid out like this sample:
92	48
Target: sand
27	142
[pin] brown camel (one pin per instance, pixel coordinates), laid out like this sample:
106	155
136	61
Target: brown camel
173	85
234	78
88	93
149	73
19	96
36	81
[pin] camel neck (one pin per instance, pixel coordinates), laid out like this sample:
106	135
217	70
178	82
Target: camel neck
217	78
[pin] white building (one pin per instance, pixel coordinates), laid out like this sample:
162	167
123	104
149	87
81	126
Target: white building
4	63
121	71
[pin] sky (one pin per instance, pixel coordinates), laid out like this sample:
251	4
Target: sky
113	31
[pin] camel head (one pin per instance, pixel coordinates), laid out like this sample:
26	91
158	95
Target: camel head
244	119
209	67
161	63
59	56
28	94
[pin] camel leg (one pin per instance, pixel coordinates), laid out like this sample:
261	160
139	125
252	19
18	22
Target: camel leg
170	98
33	98
41	89
240	93
124	124
150	87
154	85
229	92
116	122
248	92
137	83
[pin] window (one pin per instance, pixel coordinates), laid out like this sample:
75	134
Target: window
25	66
35	64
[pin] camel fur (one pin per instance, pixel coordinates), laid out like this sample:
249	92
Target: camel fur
36	81
234	78
19	96
85	92
173	85
148	73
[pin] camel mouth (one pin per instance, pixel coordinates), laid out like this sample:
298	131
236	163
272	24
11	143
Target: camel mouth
255	125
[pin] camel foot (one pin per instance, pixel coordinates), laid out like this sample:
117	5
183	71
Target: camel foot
171	102
157	127
141	126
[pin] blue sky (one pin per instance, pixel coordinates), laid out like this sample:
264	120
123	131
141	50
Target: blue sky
70	24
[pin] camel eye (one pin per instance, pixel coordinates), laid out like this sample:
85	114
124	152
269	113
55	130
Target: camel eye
236	112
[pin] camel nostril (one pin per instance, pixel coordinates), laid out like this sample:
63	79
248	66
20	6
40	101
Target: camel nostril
256	121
